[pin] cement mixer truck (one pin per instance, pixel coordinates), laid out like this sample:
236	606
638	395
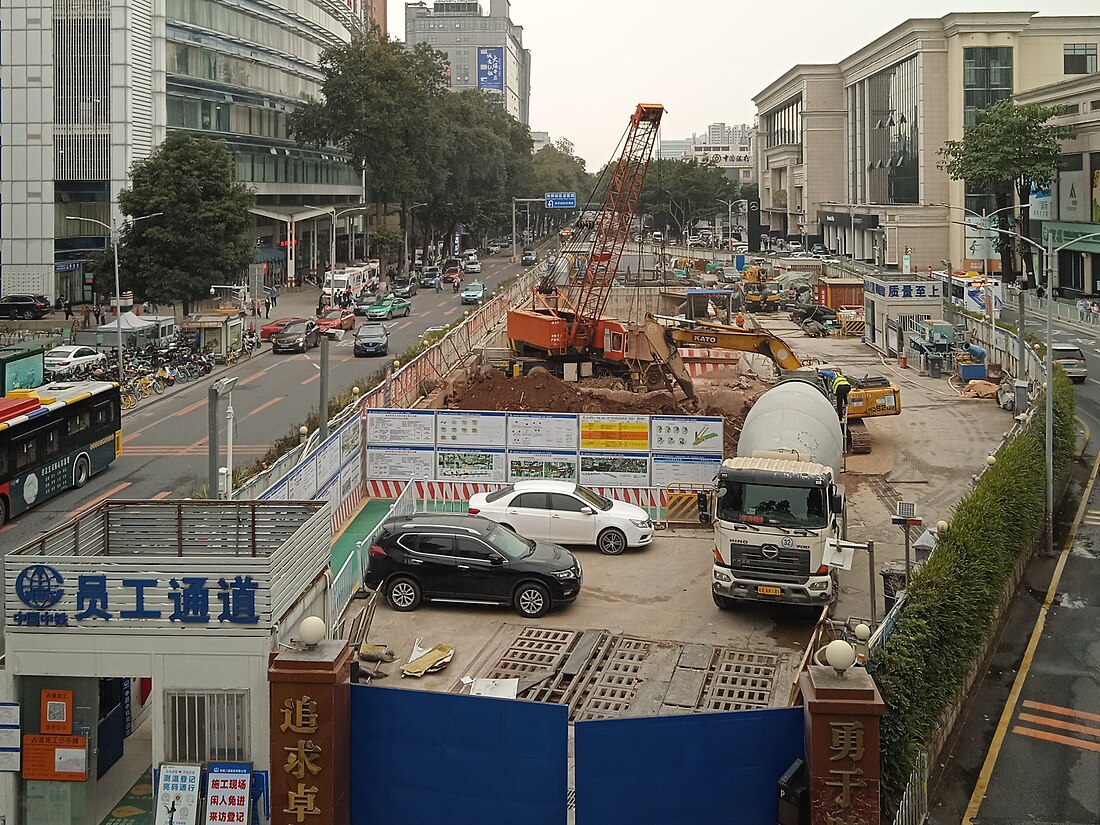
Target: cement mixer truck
776	504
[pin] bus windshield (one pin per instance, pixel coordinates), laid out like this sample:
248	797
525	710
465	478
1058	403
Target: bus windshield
772	506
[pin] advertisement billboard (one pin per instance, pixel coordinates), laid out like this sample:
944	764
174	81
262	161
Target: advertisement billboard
490	68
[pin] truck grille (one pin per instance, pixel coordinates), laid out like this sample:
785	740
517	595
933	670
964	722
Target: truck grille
770	562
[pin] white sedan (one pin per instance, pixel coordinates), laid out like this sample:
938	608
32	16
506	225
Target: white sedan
63	359
566	513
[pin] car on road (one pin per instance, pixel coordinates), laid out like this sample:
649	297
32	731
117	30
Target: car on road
565	513
405	287
493	248
794	246
26	307
472	266
473	292
658	237
460	558
335	319
271	327
452	270
429	276
819	249
529	257
64	359
472	252
371	339
388	307
297	336
1070	358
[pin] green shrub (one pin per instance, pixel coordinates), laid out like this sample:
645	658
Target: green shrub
954	596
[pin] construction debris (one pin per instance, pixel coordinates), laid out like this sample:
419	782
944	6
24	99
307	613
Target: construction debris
980	389
427	660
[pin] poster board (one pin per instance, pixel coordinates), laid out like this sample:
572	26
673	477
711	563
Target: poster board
613	469
669	468
55	758
228	796
686	434
557	465
400	462
401	427
178	794
458	464
543	431
460	428
617	433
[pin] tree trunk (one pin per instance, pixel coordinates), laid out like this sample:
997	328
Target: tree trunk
186	307
1004	244
1023	192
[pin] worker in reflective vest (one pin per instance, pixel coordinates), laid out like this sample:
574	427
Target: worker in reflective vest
839	386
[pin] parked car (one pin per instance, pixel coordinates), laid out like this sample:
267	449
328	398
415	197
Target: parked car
658	237
371	339
429	556
1070	358
472	266
794	246
819	249
473	292
437	329
296	336
388	307
529	257
566	513
405	287
335	319
24	306
63	359
271	327
469	253
429	276
493	248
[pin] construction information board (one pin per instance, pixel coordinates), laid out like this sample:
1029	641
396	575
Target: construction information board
621	433
400	462
400	427
671	469
470	429
546	431
559	466
456	464
684	434
607	469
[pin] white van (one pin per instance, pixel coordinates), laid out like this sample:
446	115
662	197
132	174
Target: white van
1070	358
355	278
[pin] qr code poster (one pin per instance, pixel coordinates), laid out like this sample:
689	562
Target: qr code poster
57	712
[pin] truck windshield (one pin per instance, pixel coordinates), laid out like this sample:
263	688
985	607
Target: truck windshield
802	507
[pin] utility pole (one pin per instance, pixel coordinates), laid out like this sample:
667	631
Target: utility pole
322	411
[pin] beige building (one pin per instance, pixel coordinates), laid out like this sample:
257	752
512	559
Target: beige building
847	154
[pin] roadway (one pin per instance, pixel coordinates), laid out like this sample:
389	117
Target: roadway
165	439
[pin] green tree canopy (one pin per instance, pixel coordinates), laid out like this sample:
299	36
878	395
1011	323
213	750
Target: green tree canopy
1009	148
678	193
200	236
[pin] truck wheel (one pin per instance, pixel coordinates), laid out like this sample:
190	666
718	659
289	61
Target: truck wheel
723	602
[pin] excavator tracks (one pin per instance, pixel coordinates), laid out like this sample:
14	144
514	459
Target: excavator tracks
859	440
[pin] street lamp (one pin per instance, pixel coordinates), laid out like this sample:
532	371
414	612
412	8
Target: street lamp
223	386
729	219
332	238
1048	365
113	228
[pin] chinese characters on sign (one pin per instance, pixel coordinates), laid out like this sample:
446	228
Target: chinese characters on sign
178	794
228	792
490	68
846	751
99	598
302	761
917	290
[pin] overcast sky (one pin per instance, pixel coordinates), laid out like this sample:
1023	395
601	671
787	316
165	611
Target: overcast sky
593	60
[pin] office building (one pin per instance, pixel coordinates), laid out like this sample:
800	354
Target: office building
484	51
727	147
539	140
848	153
91	87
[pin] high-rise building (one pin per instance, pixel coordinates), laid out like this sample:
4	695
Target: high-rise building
484	51
727	147
539	140
91	86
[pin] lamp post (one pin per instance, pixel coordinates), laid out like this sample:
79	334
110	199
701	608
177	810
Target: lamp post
113	228
332	237
223	386
729	219
1049	256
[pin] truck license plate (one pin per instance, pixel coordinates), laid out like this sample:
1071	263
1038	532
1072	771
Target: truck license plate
769	591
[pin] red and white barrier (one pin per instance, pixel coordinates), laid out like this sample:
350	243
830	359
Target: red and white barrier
343	513
703	361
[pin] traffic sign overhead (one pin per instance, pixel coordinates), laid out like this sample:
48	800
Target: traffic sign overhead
561	200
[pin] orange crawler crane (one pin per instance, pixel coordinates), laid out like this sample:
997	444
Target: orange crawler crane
571	336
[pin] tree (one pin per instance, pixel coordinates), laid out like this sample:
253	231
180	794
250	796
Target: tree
201	236
682	192
1010	148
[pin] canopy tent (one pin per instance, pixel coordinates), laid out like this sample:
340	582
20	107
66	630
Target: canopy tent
129	322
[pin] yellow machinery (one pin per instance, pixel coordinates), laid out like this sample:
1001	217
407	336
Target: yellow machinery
761	294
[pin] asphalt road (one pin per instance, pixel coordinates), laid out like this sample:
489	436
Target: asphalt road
165	439
1028	750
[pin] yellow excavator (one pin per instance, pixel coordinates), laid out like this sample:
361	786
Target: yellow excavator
870	396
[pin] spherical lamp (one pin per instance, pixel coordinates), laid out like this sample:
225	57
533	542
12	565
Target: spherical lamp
312	631
840	655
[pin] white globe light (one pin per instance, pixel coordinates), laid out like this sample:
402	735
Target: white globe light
941	526
312	630
840	655
863	632
991	459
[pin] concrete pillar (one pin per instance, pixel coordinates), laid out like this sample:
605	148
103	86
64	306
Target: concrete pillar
310	734
842	745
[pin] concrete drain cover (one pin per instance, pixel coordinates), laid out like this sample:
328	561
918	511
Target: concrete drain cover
603	675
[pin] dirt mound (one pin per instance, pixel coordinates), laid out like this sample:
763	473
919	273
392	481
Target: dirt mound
539	391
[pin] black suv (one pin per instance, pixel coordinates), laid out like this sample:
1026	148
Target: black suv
460	558
24	306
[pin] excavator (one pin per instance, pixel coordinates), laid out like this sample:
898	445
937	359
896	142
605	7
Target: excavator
564	328
761	294
870	396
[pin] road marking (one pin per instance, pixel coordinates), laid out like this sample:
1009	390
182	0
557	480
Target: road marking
450	311
253	377
1060	740
182	451
408	323
163	494
982	785
1061	711
190	408
1061	724
88	505
265	405
311	379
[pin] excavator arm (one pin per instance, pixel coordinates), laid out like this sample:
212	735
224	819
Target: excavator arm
758	341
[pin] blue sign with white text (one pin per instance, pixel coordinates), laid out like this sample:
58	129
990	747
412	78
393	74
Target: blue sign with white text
490	68
560	200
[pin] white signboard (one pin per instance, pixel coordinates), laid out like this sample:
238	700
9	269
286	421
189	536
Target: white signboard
1042	200
677	433
470	429
400	427
9	713
349	440
547	431
457	464
401	462
669	469
328	461
178	794
10	761
1073	196
613	469
303	484
228	792
560	466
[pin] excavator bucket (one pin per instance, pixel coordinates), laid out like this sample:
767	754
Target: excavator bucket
663	354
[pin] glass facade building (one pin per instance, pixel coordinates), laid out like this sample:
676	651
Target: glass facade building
883	132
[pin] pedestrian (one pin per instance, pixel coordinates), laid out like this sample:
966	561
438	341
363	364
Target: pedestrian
68	309
275	296
267	308
438	287
1094	310
1082	309
86	315
841	387
320	304
98	315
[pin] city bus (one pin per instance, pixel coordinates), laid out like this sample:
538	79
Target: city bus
972	293
55	438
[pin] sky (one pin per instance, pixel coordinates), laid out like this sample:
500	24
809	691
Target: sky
592	61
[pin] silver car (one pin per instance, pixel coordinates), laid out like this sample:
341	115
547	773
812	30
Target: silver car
1070	358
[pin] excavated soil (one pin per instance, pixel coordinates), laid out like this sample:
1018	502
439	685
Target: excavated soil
539	391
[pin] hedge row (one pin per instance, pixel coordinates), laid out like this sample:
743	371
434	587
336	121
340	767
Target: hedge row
954	596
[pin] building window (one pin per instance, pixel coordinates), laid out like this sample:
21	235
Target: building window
883	118
987	78
1079	58
784	125
207	726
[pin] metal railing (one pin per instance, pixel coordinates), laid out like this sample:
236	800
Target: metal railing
913	809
